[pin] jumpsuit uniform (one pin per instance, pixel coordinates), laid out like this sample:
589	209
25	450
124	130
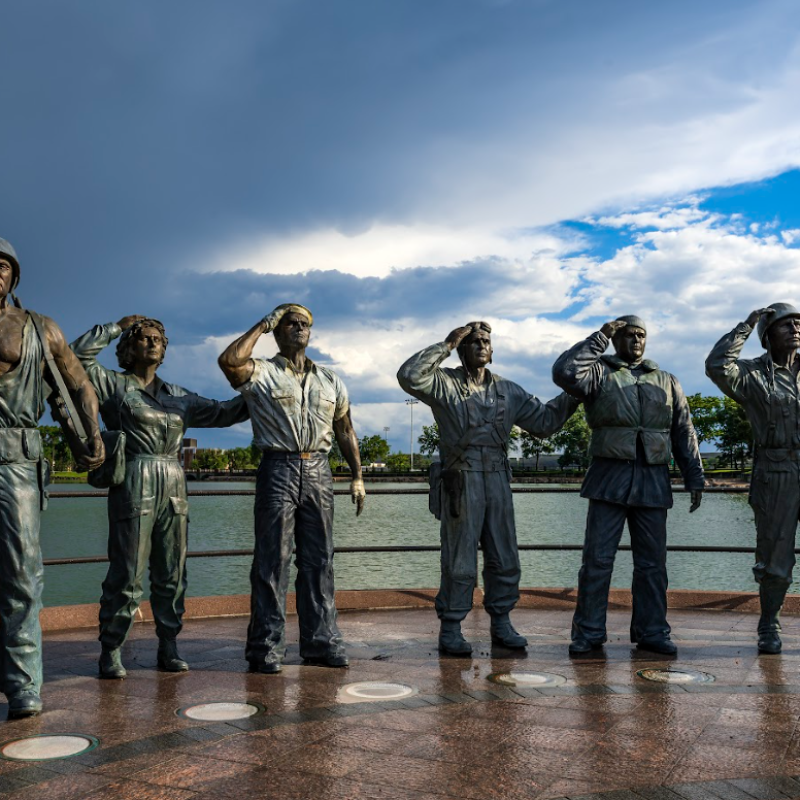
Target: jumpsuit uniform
22	496
148	512
770	397
640	420
293	415
486	512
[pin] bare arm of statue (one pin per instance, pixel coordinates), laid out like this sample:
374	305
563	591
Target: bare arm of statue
348	444
82	393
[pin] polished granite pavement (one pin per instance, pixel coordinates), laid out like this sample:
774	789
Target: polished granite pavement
604	733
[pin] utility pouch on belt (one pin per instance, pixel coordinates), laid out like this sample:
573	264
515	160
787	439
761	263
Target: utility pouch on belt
435	492
453	485
43	473
112	471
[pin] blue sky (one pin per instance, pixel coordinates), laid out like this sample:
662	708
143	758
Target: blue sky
402	167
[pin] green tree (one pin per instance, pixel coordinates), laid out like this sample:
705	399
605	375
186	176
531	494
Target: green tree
210	459
735	434
533	447
55	447
335	457
573	441
428	440
705	416
240	458
373	449
398	462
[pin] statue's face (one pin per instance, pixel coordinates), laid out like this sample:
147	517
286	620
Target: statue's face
293	331
478	350
785	334
6	276
630	342
148	346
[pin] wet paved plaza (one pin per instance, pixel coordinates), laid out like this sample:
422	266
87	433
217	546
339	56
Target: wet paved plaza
600	730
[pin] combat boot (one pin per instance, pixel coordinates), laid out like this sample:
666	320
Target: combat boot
168	658
110	664
503	633
769	626
26	704
451	640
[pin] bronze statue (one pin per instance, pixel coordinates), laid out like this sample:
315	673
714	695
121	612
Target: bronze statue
640	420
147	505
470	491
24	385
297	407
767	388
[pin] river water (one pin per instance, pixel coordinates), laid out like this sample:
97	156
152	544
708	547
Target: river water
78	527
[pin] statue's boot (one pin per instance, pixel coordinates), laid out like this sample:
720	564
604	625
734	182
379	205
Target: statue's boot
452	641
168	658
769	626
25	704
110	664
503	633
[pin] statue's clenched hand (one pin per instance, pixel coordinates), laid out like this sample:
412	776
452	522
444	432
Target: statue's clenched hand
274	317
454	338
754	317
610	328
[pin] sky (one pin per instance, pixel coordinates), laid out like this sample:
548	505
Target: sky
403	167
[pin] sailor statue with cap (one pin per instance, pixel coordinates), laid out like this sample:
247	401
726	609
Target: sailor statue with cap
27	341
297	407
640	421
475	410
767	388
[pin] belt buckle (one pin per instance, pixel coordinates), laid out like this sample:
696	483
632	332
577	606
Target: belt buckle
305	456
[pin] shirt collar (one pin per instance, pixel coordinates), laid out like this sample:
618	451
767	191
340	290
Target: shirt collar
286	365
619	363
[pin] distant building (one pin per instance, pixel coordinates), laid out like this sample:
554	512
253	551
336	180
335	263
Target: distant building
188	452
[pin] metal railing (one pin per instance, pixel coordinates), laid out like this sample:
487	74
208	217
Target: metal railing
52	562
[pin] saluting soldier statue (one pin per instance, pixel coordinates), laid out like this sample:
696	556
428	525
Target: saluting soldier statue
767	388
640	420
148	513
297	407
475	411
27	341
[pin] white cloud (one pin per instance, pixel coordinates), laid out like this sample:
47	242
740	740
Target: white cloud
384	247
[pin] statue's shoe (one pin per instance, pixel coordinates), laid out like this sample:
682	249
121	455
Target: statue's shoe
504	634
110	664
666	647
24	705
769	643
268	665
453	643
168	658
336	660
580	646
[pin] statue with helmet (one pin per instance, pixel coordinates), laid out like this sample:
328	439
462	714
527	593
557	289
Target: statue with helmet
297	407
640	421
35	365
767	389
475	410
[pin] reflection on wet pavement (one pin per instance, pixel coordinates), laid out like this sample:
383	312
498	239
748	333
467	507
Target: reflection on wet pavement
453	733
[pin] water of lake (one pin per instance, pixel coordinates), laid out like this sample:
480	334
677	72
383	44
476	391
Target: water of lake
78	527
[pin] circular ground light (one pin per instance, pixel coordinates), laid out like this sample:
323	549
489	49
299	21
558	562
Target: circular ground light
48	746
532	680
675	676
374	690
220	712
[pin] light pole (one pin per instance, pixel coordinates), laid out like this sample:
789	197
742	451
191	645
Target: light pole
411	403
